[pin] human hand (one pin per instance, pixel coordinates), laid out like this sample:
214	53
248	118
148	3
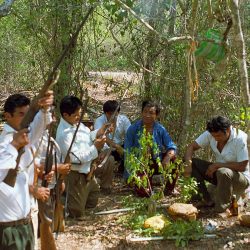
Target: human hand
107	128
211	169
99	143
41	193
64	169
20	139
46	101
49	177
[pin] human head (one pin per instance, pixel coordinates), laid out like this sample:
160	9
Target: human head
109	107
151	104
219	128
218	123
70	109
150	112
15	108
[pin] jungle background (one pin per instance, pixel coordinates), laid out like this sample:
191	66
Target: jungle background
145	46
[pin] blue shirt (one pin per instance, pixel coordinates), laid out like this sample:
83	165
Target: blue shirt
160	137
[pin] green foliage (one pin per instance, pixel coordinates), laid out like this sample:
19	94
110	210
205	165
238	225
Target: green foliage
117	13
181	231
135	202
139	162
184	231
243	117
135	220
189	188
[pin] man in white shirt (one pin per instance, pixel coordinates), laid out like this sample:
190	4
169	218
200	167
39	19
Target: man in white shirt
121	126
15	202
81	193
230	171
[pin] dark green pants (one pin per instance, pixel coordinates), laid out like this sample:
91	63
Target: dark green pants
227	182
81	194
19	237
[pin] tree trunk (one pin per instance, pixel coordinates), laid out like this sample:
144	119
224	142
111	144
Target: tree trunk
171	30
240	51
241	57
152	42
187	102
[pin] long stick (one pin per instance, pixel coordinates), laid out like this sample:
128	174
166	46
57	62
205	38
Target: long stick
114	211
10	179
138	239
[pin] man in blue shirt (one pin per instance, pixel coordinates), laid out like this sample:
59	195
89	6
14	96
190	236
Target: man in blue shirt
167	148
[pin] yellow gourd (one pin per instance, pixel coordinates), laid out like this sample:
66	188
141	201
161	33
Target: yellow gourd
156	222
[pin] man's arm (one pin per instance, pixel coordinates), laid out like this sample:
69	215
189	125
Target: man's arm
42	118
188	157
236	166
169	155
40	193
9	149
170	147
79	154
190	151
105	129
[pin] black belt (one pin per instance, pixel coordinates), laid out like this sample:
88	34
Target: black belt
24	221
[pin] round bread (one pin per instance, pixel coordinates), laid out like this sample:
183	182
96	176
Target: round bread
183	211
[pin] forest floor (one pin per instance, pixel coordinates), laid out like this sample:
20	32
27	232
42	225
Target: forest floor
111	232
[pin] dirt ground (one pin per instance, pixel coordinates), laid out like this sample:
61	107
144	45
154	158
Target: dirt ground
106	231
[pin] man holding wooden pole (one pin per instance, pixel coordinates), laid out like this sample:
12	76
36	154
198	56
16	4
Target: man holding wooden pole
16	231
82	193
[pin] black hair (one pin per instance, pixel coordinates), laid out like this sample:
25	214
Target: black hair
218	123
15	101
151	104
111	106
70	104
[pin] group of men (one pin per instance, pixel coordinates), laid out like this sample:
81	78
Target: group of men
106	147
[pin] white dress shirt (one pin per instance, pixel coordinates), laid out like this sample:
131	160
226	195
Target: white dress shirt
122	124
15	202
235	150
83	151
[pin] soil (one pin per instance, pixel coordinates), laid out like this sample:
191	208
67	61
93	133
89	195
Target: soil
107	232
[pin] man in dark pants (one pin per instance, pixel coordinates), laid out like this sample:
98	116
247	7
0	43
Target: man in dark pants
21	229
16	231
230	172
121	126
167	148
86	146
